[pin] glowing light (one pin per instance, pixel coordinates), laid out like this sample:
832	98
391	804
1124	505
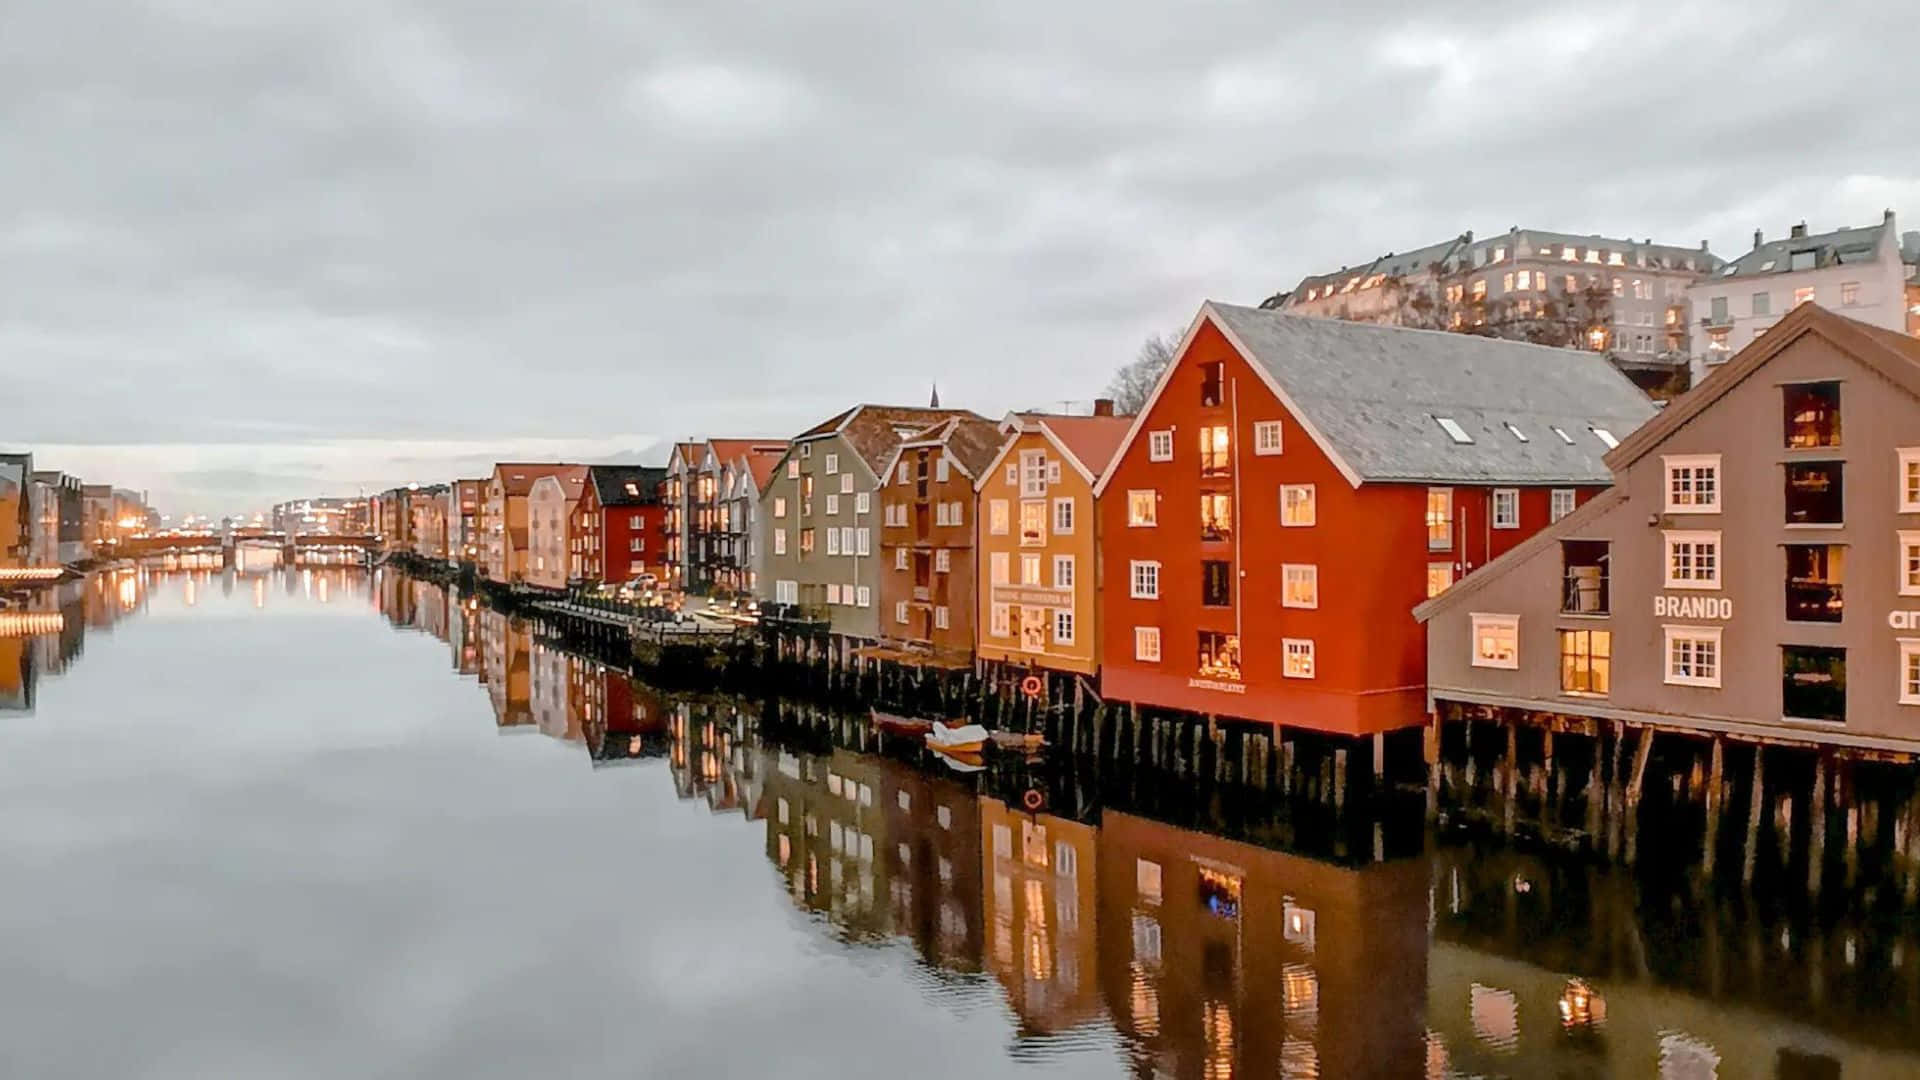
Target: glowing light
31	623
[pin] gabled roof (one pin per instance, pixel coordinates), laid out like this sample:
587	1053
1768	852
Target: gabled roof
1836	248
517	477
1570	527
611	482
1894	355
1373	398
971	444
875	431
1088	443
762	460
571	479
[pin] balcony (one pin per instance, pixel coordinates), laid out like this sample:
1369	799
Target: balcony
1586	589
922	593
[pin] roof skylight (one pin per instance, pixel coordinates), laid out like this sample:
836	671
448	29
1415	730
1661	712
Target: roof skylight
1517	433
1564	437
1454	431
1606	436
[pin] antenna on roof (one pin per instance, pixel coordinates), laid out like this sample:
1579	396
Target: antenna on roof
934	401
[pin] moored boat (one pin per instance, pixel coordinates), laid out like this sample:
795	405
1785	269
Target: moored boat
964	739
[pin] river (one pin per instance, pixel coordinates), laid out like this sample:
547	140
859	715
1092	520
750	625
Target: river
333	824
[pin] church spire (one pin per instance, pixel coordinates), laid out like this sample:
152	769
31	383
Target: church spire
934	402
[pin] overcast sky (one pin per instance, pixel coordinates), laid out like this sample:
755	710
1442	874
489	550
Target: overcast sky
250	251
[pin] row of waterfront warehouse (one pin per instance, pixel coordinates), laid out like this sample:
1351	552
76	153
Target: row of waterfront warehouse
1322	524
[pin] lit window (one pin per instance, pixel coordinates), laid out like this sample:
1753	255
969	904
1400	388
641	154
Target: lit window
1160	446
1145	580
1297	505
779	506
1439	576
1586	661
1297	658
1439	519
1146	643
1909	563
997	515
1141	508
999	566
1909	480
1496	641
1563	503
1215	445
1454	431
1693	560
1146	880
1029	569
1693	656
1524	280
1033	523
1300	585
1803	296
1693	484
1910	671
1506	508
1266	437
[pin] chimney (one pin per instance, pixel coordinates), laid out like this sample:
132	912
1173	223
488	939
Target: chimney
1799	231
1103	406
1758	239
1886	216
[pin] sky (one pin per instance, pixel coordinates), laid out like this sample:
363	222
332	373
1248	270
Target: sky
257	250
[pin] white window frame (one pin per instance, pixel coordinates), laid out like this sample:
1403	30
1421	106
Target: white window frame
779	541
1146	644
1060	580
1312	504
1033	474
1053	471
999	568
1292	650
1268	438
1511	497
833	541
1909	689
1030	569
1160	445
942	620
1696	537
833	592
1909	541
846	483
1063	619
1484	621
833	464
1695	633
861	503
1137	570
863	541
900	558
900	612
833	505
1063	522
1696	465
943	561
1909	457
999	515
793	469
1000	620
1562	502
1138	498
1309	572
865	595
942	469
904	474
779	506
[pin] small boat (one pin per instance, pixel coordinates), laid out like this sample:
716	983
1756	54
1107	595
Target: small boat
894	724
965	739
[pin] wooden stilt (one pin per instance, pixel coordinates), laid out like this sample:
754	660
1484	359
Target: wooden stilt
1817	827
1430	744
1641	753
1340	780
1911	892
1595	784
1286	761
1756	806
1510	779
1715	777
1851	815
1379	764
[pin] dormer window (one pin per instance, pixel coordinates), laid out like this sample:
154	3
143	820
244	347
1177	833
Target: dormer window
1454	431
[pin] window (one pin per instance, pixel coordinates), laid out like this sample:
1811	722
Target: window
833	594
833	504
1297	505
997	515
1439	576
1216	516
1586	661
866	596
1266	437
900	612
1214	444
1000	621
779	541
1762	303
1693	484
1141	508
1693	560
1145	584
1439	519
1146	882
1453	429
1063	571
786	592
1053	472
1000	565
1216	583
1693	656
1813	683
1506	281
833	464
1159	446
1496	641
1062	516
1814	493
1584	565
1013	474
1033	523
1506	508
1909	473
942	471
1849	294
943	561
793	469
1815	575
1910	671
861	504
833	541
1299	585
806	541
1802	296
941	619
1562	503
1146	643
1717	344
1219	656
1909	563
1033	473
1062	627
863	541
779	506
904	474
1296	660
1562	432
1812	414
1213	378
900	558
1029	569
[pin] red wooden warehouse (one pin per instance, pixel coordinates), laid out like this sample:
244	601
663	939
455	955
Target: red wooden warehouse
1295	486
619	527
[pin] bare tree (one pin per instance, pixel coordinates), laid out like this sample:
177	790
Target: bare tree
1135	380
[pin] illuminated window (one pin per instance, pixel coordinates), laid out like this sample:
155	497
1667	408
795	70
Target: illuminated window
1147	881
1909	473
1214	446
1216	516
1297	505
997	516
1300	585
1141	509
1496	641
1033	523
1909	563
1439	519
1693	484
1146	643
779	506
999	564
1029	569
1910	671
1297	658
1803	296
1439	576
1586	661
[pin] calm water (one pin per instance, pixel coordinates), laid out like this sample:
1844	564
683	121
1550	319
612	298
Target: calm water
253	831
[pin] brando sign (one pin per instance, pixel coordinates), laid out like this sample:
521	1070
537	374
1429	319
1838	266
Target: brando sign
1693	607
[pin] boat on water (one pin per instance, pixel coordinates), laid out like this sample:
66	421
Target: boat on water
964	739
895	724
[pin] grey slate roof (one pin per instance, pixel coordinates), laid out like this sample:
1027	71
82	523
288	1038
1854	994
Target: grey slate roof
1374	393
1834	248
